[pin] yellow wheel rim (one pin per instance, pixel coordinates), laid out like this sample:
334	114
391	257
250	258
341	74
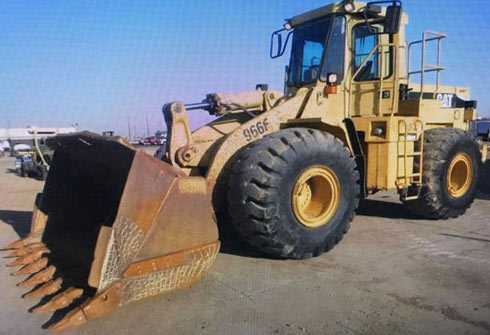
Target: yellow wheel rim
316	196
459	175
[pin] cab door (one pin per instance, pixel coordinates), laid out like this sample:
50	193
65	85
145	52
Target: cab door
372	84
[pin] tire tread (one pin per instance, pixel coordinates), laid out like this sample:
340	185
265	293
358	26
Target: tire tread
257	171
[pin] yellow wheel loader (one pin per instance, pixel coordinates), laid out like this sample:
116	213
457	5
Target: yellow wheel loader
114	224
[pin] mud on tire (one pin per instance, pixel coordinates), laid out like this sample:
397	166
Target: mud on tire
261	185
442	147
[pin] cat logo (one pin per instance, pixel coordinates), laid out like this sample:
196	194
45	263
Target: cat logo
447	99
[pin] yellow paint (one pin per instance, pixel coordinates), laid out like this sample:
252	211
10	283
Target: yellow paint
459	175
316	196
392	154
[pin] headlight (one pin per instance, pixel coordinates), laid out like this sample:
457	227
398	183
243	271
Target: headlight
349	7
332	78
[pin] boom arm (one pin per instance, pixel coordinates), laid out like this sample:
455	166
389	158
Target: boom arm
179	133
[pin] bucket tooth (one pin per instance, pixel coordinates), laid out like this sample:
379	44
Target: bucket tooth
60	300
25	250
74	318
18	244
103	303
35	245
48	288
39	278
17	253
29	258
33	267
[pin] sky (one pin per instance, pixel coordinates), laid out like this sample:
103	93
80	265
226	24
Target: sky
99	64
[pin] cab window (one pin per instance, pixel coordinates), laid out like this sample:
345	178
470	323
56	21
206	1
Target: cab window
334	56
307	52
365	40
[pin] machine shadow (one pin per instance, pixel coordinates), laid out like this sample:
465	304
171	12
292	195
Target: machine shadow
483	195
19	220
384	209
484	190
232	244
11	171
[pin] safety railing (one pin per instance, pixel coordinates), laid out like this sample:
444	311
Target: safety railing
424	67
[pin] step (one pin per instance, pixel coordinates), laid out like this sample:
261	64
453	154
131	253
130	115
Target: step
411	155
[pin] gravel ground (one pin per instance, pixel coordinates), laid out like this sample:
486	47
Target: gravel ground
392	274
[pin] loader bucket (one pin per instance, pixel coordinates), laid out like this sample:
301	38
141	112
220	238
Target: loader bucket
113	225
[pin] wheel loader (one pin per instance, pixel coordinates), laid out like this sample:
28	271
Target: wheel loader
285	169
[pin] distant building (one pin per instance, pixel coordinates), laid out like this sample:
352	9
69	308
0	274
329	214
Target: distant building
25	135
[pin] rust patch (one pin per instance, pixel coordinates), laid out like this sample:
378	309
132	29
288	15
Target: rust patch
125	241
197	262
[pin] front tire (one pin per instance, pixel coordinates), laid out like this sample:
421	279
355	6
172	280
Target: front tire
450	174
293	194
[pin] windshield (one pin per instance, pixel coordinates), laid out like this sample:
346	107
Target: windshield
307	51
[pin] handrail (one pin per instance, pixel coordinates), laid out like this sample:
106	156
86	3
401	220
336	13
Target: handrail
426	67
38	150
381	77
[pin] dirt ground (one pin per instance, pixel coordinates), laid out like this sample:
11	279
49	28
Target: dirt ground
392	274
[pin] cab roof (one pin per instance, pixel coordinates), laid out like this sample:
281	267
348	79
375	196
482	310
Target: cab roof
334	8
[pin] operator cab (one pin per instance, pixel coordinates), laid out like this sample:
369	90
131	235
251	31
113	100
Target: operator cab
309	61
319	42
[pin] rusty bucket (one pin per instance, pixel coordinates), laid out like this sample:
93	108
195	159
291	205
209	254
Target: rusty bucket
113	225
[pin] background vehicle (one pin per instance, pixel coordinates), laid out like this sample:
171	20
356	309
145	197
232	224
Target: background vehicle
24	164
33	161
151	140
4	147
481	129
287	168
161	137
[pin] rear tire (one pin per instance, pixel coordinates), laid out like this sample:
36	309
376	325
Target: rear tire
293	194
450	174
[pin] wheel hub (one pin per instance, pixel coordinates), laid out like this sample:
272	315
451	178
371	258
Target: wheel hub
304	196
459	175
316	196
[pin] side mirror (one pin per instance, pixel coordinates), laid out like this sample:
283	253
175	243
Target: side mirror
277	45
392	18
391	23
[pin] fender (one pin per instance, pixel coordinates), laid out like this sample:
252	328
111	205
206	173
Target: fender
254	129
358	153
